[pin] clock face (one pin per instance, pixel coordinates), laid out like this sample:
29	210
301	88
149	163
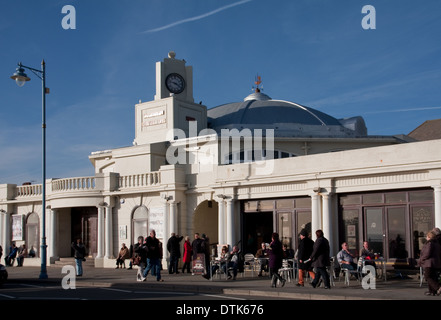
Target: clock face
175	83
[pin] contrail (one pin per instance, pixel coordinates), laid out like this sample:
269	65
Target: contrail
403	110
197	17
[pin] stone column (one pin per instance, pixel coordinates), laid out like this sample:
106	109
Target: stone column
437	202
316	219
231	239
328	221
173	219
165	253
53	235
4	228
109	233
100	236
221	222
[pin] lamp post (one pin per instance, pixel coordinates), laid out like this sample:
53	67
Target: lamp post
21	78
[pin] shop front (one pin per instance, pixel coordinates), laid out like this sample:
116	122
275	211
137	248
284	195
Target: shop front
393	222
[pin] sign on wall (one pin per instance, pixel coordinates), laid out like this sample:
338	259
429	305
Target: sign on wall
17	228
156	221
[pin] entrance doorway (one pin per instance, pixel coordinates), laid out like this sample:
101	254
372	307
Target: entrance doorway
84	222
257	228
387	231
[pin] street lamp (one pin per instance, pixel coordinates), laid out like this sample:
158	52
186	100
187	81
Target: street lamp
21	78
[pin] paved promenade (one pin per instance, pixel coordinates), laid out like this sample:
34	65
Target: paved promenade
394	288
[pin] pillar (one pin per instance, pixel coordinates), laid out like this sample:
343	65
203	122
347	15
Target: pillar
4	231
165	253
109	233
100	236
328	221
221	222
173	219
316	219
437	201
53	235
231	241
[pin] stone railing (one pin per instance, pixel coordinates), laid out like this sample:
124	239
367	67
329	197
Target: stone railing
74	184
30	190
140	180
96	183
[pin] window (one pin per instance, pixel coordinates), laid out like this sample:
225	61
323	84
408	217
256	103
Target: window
255	155
32	233
422	222
140	223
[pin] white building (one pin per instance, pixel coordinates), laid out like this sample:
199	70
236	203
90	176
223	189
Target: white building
237	173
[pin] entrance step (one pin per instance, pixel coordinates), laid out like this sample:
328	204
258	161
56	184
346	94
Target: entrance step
90	262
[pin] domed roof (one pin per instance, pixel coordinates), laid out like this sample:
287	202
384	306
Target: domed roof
288	119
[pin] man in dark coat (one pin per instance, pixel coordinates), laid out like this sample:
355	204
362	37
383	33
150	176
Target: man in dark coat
174	248
154	254
304	252
320	259
198	245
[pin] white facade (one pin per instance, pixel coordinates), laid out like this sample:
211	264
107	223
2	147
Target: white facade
140	187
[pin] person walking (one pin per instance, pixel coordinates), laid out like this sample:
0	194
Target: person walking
187	255
275	260
131	253
430	261
140	257
154	254
207	253
320	259
305	247
174	248
122	255
79	255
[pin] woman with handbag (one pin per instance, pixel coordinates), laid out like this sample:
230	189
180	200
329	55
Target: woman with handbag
430	261
140	257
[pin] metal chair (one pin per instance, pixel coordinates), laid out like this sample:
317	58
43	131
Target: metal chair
287	271
249	263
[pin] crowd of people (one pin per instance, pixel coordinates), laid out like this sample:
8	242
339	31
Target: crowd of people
313	258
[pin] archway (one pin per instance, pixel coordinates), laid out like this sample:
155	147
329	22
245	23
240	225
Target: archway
205	220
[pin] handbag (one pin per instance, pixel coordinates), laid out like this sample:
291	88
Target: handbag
136	260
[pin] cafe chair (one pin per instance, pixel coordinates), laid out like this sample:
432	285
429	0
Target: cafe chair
249	263
287	271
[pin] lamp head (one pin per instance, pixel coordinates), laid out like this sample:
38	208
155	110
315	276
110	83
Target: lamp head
20	76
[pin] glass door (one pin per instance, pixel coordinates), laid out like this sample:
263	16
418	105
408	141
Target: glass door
374	229
285	228
397	233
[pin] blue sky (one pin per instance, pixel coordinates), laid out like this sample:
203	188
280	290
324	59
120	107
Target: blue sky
312	52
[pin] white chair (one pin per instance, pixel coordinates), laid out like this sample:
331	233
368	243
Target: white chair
249	263
287	271
348	273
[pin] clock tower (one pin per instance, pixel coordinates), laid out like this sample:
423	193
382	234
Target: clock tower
173	106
